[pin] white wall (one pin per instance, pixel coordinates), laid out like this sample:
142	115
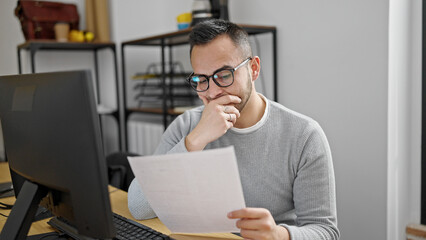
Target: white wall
412	202
404	100
333	66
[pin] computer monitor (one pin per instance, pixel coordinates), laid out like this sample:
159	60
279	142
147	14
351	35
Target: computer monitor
53	143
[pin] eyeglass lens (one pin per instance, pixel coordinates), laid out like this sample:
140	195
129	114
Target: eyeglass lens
222	78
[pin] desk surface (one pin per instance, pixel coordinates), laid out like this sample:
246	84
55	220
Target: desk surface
119	205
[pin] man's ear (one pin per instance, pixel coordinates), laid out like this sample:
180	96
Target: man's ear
255	68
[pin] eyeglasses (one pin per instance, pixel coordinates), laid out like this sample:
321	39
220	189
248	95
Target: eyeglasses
223	77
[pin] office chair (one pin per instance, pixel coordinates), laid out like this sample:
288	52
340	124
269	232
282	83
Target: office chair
120	174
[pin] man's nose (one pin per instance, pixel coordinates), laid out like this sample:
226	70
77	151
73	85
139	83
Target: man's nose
214	90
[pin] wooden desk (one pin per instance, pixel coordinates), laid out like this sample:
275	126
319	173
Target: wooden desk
119	205
416	231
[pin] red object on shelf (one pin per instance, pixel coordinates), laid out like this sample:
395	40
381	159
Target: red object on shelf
37	18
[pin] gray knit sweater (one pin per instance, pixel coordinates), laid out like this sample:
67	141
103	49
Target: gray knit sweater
285	166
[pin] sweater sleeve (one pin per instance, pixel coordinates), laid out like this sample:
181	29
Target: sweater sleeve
172	141
314	189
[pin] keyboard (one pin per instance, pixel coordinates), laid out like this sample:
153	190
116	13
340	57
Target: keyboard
127	229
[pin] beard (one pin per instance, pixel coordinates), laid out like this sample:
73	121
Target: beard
245	95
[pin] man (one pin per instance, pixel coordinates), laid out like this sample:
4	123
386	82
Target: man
283	157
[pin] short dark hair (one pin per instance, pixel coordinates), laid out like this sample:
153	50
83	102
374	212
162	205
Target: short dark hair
205	31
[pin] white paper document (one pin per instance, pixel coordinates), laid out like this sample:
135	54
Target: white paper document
192	192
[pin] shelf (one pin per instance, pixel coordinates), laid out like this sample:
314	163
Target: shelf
182	37
176	95
173	38
55	45
159	85
101	109
171	111
143	76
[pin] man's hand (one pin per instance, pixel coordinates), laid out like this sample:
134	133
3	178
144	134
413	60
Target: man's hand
258	224
218	116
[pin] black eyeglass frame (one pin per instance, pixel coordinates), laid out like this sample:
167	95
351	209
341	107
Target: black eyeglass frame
188	79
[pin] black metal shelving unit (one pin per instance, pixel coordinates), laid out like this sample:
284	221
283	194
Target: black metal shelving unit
168	41
423	141
33	46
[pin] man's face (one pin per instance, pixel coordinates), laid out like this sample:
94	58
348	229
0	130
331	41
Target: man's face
219	53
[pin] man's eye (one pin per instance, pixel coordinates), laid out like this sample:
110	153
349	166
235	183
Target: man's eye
226	76
223	75
199	80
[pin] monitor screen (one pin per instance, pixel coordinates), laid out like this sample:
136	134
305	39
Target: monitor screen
53	144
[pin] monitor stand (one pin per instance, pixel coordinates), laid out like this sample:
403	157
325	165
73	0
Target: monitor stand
20	218
66	229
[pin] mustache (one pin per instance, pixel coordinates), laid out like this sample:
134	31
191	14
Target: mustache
216	97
